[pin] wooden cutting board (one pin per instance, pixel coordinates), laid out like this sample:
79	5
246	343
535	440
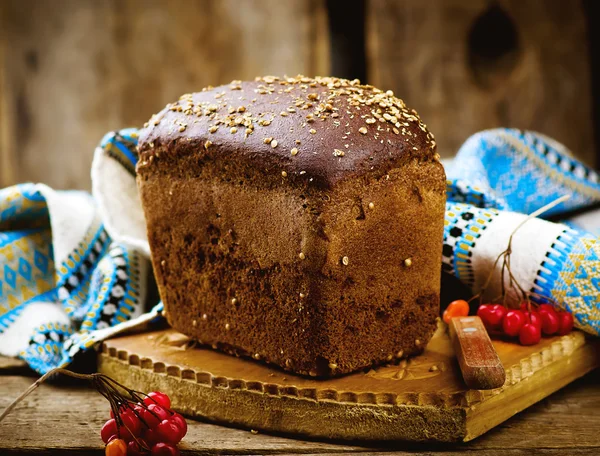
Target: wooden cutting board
420	399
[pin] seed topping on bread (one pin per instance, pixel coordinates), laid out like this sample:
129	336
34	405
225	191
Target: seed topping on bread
231	108
310	130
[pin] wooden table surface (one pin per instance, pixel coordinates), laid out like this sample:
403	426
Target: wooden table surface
66	419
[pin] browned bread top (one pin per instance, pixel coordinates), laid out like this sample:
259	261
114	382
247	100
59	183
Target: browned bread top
317	130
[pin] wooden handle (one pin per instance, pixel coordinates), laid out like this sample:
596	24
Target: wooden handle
479	363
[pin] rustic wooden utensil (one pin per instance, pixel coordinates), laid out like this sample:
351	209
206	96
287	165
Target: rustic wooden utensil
479	363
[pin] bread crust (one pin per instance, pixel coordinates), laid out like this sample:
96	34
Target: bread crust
318	261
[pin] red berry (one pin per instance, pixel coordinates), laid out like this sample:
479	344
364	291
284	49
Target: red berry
565	322
151	436
116	447
513	322
530	334
534	318
549	321
137	412
483	312
499	311
164	449
108	430
122	408
154	414
156	397
181	423
112	437
131	426
137	448
169	432
132	422
483	308
545	307
124	434
491	315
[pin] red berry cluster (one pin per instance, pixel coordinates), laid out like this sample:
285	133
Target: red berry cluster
146	428
525	323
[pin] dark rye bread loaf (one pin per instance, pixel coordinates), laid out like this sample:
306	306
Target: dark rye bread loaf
297	221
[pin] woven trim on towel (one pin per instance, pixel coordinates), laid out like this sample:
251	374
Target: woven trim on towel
462	227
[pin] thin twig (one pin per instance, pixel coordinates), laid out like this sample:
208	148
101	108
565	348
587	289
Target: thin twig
118	395
37	383
506	256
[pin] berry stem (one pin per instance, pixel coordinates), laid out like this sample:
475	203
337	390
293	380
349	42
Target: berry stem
116	393
506	267
28	391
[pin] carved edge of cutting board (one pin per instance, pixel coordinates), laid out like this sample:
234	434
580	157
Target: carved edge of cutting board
514	374
535	378
327	413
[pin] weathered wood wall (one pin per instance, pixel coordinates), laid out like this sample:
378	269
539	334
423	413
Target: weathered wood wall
71	70
469	65
75	69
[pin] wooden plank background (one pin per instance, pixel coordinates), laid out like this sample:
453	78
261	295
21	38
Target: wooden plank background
71	70
457	63
75	69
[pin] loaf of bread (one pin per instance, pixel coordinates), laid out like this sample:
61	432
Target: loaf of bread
296	221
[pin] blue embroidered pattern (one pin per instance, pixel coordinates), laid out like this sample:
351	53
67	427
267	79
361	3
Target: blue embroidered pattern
463	226
98	284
